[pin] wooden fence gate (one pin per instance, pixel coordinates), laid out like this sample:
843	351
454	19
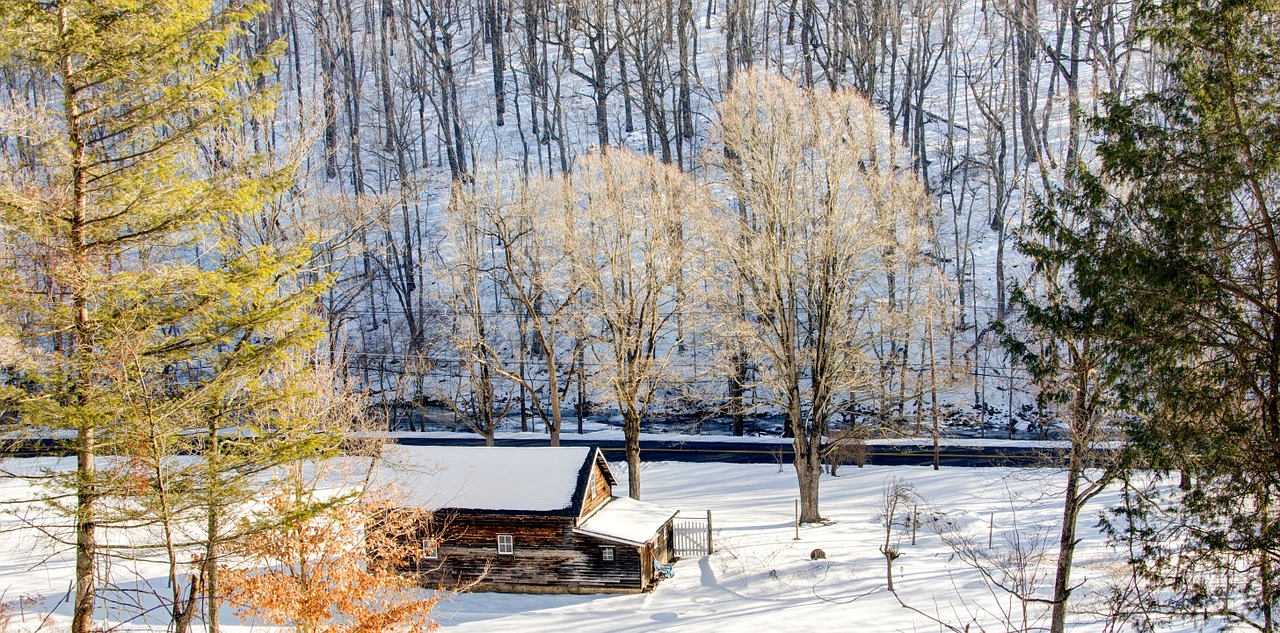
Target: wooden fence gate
693	535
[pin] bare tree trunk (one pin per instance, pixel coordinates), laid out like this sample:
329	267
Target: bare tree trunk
553	394
1084	437
806	40
352	82
213	525
328	68
1066	544
737	387
624	80
495	12
684	25
631	433
1026	40
808	464
533	65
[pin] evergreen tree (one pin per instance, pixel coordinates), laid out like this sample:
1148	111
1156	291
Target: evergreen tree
149	330
1062	338
1184	264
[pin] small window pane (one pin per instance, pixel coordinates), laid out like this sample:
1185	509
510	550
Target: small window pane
430	548
505	544
606	553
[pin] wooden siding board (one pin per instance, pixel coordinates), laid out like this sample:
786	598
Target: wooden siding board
662	543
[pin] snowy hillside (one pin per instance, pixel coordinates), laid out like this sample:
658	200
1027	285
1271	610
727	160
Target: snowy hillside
398	99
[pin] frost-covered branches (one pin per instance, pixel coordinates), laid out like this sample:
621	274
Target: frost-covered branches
823	225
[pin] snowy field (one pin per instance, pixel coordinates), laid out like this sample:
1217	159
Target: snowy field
760	577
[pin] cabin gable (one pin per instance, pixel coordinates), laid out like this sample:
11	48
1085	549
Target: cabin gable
599	486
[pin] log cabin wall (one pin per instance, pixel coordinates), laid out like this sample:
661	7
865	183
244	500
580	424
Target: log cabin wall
549	557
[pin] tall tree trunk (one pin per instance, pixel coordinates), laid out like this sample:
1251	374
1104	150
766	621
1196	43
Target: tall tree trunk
553	396
628	122
1074	499
213	525
1026	38
494	14
328	89
86	431
352	84
1066	544
684	26
737	388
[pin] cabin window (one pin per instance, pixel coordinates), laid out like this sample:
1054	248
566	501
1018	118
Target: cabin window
430	548
606	554
505	544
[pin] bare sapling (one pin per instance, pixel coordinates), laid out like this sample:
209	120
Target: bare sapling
1013	562
897	494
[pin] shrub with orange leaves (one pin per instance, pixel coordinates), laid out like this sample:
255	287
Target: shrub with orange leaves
327	568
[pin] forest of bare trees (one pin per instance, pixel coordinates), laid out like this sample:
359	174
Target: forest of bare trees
405	102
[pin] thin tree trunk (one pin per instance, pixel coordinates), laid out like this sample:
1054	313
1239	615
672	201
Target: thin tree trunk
494	12
328	90
1066	543
212	535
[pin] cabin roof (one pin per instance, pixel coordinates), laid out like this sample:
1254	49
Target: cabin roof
626	520
499	480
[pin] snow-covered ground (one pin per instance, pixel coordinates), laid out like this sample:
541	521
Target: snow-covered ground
760	577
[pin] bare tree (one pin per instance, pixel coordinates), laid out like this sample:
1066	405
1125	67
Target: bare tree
529	223
596	21
469	292
649	26
628	250
435	30
897	493
818	195
1009	563
739	37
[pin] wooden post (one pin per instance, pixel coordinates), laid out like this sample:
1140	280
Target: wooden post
710	547
991	529
915	520
797	519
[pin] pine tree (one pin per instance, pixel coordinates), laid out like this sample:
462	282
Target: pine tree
144	319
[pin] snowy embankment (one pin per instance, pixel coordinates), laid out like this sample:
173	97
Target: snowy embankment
760	576
608	434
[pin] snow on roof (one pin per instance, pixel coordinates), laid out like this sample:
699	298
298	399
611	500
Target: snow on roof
627	520
511	479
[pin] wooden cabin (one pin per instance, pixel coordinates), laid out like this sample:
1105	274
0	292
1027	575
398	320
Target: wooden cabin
527	520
